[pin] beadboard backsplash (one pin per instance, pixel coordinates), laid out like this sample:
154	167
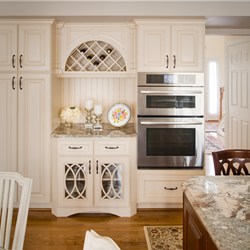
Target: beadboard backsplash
104	91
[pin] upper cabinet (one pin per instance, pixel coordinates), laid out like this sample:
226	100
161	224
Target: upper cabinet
25	46
170	45
85	49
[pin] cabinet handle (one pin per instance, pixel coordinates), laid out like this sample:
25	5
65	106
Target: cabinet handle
167	61
75	147
111	147
96	167
174	62
170	188
13	82
20	61
13	61
89	167
20	83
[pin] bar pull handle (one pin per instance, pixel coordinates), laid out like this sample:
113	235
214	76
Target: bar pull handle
167	61
170	123
170	188
13	61
89	167
97	167
75	147
175	92
174	62
20	83
13	83
111	147
20	61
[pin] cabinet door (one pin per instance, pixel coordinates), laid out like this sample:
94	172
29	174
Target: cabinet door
111	181
8	124
187	48
8	48
153	46
34	47
75	181
34	128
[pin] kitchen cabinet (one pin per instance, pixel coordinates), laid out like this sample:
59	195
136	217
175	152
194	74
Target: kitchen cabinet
24	46
76	42
162	188
25	83
170	46
94	175
195	236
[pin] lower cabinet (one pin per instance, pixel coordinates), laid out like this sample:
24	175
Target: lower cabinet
195	236
162	188
94	175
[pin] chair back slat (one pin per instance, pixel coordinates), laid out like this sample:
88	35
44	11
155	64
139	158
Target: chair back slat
9	181
231	162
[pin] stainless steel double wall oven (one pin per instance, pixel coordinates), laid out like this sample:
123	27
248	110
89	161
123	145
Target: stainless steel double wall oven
170	120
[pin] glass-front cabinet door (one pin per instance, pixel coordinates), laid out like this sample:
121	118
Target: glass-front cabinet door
76	178
111	181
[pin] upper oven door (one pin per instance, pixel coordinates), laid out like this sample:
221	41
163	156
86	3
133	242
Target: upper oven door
176	79
171	101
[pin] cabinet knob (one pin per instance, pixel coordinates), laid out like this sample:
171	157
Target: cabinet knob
174	62
13	61
170	188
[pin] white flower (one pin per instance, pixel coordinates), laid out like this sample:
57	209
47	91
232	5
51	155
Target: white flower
70	113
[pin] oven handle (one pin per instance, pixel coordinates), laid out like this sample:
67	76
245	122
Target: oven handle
171	123
170	92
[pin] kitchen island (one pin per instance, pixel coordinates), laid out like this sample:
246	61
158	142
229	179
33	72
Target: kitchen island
217	213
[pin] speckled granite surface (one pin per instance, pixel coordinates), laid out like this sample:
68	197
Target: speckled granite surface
223	205
78	130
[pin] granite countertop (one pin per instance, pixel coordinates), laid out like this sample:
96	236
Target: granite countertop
223	205
78	130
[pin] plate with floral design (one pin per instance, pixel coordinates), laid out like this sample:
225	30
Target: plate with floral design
119	115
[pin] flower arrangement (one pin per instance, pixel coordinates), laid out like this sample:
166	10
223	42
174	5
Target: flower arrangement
69	113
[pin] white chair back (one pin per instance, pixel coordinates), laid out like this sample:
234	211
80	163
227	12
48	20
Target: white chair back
9	182
94	241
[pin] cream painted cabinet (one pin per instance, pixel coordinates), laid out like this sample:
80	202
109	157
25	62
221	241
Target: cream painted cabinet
25	83
168	46
162	188
93	175
24	46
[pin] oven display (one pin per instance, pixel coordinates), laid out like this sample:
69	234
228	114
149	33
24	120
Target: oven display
170	141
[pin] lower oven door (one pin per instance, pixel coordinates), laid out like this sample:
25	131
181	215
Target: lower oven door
170	143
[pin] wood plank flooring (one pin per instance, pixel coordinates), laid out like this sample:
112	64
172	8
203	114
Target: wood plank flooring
47	232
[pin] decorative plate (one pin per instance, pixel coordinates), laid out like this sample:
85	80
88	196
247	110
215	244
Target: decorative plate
119	115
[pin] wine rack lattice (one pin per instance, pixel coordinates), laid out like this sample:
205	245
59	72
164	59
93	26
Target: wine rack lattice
75	181
95	56
112	184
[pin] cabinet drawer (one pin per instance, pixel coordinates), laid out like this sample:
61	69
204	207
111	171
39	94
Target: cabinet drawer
160	188
75	147
111	147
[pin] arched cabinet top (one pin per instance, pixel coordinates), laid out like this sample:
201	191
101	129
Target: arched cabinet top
95	55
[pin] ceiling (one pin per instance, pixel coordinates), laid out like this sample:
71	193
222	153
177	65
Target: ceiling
222	16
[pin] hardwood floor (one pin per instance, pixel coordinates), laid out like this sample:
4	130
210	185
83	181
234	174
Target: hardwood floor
47	232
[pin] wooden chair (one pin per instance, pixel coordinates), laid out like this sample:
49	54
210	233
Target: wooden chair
94	241
232	162
9	183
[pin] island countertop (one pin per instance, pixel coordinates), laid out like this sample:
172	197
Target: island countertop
78	130
223	205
